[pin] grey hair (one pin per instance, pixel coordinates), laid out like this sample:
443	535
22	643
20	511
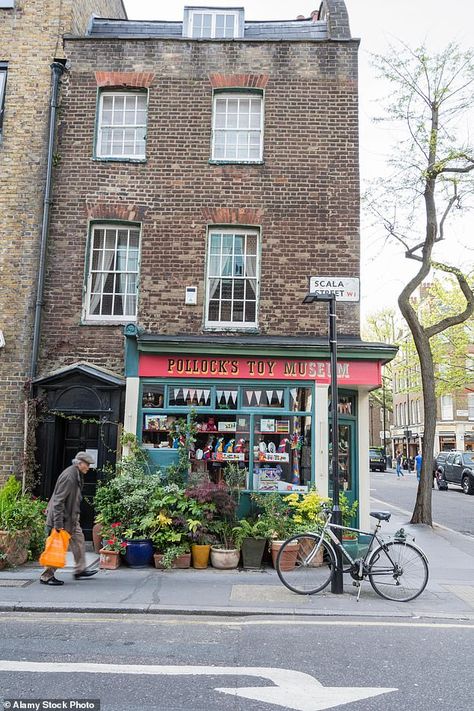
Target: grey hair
75	461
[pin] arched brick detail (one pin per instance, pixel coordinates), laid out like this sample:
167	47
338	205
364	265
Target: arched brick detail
136	80
337	18
232	81
232	216
118	211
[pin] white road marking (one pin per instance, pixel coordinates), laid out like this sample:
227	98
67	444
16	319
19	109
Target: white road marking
293	689
222	622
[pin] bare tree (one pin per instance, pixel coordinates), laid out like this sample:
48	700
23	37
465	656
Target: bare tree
431	99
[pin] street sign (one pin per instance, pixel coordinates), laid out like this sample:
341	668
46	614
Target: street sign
291	689
344	288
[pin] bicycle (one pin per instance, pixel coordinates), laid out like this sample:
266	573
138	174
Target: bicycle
396	569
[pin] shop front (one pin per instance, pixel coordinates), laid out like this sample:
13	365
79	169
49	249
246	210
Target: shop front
268	413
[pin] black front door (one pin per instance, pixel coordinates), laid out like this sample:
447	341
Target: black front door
80	436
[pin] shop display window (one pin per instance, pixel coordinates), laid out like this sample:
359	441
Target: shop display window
263	397
189	396
282	453
272	442
153	396
301	399
345	456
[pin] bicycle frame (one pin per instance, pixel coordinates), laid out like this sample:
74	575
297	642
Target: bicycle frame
327	532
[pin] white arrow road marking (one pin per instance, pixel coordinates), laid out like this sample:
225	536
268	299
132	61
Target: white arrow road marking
293	689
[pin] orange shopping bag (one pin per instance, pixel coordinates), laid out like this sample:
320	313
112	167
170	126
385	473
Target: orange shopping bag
54	554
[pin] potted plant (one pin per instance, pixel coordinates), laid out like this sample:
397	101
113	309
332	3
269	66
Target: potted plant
22	519
277	521
225	554
3	560
202	538
250	537
176	556
112	547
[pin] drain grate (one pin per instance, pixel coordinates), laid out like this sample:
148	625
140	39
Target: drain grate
14	583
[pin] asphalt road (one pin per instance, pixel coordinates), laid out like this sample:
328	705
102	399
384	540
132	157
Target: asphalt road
451	508
420	665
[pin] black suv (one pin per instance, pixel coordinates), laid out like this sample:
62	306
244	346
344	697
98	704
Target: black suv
458	468
376	460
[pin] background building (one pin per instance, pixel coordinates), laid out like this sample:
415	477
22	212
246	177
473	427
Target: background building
31	38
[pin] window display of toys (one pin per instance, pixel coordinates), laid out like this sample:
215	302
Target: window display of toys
240	446
229	447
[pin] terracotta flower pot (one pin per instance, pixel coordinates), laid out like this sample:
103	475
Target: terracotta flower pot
109	560
306	545
15	546
288	559
200	555
224	558
97	536
158	560
182	561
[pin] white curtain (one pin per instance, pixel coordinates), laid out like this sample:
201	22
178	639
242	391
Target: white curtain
97	282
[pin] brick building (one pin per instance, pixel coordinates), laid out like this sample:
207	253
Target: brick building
31	37
208	168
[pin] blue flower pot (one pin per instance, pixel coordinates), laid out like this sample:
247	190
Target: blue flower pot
139	553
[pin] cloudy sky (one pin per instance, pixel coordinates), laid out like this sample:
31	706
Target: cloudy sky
378	23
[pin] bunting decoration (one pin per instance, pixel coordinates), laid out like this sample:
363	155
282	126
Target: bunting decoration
279	394
269	396
249	394
258	396
199	395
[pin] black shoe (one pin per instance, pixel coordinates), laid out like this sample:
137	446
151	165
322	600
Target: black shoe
52	581
85	574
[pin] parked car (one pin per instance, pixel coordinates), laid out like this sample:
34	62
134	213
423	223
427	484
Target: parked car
458	468
439	461
376	459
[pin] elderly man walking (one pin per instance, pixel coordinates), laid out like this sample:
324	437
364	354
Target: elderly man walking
63	512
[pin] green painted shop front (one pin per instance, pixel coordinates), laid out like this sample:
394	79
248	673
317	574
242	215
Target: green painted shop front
264	406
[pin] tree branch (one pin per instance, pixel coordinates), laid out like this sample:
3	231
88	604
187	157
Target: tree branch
456	319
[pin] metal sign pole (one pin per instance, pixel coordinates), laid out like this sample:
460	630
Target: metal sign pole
337	585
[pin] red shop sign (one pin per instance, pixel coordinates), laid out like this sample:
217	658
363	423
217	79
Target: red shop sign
177	366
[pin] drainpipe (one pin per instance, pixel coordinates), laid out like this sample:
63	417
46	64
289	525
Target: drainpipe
57	69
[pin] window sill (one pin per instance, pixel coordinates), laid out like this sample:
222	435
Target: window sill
235	162
231	329
112	159
107	322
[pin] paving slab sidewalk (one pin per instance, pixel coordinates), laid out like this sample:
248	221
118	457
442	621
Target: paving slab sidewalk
449	594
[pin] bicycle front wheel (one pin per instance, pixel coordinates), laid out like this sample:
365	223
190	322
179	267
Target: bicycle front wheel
398	571
305	563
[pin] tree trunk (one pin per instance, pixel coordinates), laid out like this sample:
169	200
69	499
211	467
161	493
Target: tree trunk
422	512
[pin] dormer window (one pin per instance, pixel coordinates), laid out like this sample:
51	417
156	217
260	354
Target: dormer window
213	23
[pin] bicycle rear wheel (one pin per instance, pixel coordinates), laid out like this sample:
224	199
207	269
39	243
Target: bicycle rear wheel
313	563
398	571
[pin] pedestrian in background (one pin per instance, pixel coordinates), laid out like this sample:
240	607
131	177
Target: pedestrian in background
63	511
418	461
399	464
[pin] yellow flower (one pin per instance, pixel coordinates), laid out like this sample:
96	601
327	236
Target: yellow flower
164	520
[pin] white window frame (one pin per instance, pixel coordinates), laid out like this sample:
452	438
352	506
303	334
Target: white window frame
89	317
237	95
232	325
213	12
447	409
3	86
135	127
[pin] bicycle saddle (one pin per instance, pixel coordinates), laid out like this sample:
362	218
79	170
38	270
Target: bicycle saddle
381	515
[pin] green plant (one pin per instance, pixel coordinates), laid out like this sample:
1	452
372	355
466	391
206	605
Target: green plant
20	512
224	531
112	538
348	511
275	515
185	432
249	529
235	477
306	509
126	498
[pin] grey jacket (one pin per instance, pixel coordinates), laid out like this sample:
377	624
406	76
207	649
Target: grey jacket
65	503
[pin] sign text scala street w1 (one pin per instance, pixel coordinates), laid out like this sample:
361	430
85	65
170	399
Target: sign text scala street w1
344	288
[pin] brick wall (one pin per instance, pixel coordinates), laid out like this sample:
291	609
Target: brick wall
30	37
306	194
